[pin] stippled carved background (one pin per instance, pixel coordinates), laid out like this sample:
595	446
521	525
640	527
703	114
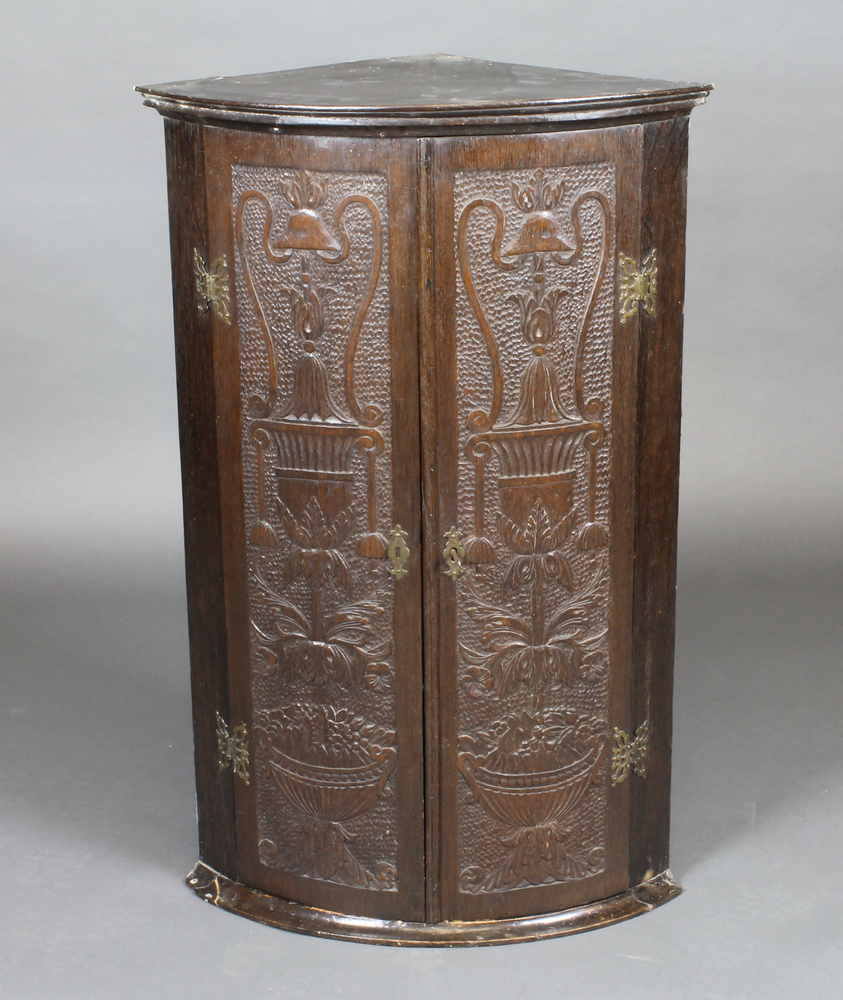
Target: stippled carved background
313	309
535	309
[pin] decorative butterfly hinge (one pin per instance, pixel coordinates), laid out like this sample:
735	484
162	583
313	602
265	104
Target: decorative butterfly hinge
630	753
211	286
233	748
638	286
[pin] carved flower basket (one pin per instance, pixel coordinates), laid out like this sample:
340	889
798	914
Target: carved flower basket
330	763
529	771
525	800
334	794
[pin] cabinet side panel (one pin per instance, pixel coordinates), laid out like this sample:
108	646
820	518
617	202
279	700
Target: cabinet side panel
200	487
659	408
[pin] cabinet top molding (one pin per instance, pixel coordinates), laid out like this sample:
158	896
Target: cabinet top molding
434	94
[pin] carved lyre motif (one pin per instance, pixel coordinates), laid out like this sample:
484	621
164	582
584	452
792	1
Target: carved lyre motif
310	259
310	405
530	442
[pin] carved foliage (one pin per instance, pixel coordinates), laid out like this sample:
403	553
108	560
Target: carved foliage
333	766
529	772
314	343
534	324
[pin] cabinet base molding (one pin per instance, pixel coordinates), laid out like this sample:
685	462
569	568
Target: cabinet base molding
289	916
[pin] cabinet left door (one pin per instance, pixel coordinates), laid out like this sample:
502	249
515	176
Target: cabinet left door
304	295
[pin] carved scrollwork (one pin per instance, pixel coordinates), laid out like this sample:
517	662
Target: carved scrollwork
534	254
311	250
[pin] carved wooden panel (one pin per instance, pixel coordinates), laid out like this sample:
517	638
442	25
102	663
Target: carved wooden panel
312	281
535	251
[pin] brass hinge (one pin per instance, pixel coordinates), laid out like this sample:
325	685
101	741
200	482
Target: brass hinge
398	552
638	285
630	753
233	748
211	285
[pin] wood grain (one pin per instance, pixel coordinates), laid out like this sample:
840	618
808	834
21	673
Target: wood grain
201	479
480	242
657	494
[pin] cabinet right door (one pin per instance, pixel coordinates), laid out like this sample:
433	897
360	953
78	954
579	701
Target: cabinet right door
533	395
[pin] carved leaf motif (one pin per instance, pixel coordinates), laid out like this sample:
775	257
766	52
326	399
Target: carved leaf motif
338	646
304	190
548	567
536	655
325	849
538	856
539	195
311	396
316	555
537	535
288	620
313	530
318	565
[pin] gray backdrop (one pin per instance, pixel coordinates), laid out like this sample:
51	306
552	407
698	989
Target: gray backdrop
96	808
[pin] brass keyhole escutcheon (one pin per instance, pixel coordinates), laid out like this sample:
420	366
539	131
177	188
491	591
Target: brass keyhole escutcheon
398	552
453	553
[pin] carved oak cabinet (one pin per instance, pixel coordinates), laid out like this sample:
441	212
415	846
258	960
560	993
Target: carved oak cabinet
428	325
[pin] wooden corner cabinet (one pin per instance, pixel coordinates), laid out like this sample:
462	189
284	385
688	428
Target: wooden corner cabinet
428	321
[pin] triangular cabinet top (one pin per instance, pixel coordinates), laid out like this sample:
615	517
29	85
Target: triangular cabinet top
439	93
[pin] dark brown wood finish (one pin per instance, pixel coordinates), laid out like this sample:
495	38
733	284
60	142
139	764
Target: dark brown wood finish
202	475
269	165
429	265
431	548
617	152
665	153
220	891
421	95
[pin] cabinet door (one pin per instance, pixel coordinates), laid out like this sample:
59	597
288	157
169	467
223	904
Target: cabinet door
317	379
533	399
